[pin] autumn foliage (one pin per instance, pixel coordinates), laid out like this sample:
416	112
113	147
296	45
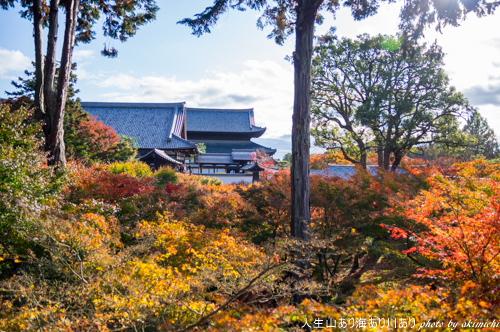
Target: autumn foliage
116	247
456	223
320	161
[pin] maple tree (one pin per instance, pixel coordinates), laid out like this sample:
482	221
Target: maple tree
97	141
455	223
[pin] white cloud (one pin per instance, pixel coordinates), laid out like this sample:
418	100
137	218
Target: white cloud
79	55
264	85
13	61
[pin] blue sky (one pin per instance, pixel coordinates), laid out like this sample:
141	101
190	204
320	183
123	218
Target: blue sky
237	66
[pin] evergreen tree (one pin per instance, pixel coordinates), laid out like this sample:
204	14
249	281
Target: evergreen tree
121	21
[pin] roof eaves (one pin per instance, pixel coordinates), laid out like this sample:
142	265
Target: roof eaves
242	110
163	155
191	144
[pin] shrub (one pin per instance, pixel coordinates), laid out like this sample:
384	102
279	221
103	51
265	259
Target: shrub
27	186
165	175
97	182
135	168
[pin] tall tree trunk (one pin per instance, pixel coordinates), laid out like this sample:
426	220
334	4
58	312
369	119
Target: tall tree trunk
55	141
362	160
49	91
380	155
398	156
387	158
39	60
300	215
363	154
50	60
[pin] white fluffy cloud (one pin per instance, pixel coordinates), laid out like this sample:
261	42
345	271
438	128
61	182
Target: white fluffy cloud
13	61
264	85
80	55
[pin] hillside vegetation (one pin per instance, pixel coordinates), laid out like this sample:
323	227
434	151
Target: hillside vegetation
116	247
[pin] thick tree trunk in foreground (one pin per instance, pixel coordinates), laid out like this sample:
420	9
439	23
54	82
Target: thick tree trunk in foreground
301	122
50	98
55	140
300	214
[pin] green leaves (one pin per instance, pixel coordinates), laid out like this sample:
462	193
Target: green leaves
370	95
27	186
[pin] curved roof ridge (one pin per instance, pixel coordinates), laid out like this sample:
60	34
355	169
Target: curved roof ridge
209	109
130	105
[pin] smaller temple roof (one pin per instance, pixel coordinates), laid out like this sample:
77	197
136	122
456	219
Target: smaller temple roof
179	143
346	171
255	167
162	155
234	157
243	155
214	158
214	146
222	121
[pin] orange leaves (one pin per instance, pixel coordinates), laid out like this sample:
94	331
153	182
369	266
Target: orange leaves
99	183
98	231
321	161
98	136
458	224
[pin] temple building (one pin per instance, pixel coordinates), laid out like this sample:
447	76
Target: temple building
226	134
224	130
168	134
160	129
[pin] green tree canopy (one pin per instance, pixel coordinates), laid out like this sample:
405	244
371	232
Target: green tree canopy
371	95
485	141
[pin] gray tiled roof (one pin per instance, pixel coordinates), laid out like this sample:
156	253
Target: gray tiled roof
345	171
229	146
243	155
225	158
179	143
253	167
214	158
153	125
221	120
